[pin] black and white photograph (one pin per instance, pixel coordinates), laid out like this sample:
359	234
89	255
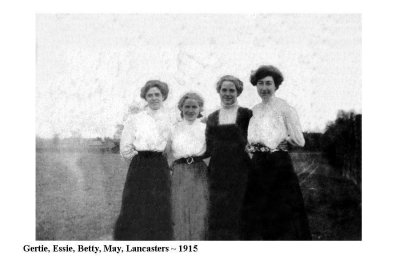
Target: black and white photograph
198	127
202	133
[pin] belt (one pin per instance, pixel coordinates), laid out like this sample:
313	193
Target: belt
188	160
261	148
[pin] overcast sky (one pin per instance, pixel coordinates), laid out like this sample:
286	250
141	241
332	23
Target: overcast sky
90	68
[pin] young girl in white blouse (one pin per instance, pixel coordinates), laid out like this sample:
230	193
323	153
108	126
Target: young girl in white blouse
189	172
274	206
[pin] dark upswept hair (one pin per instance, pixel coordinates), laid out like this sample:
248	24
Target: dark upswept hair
264	71
229	78
155	83
194	96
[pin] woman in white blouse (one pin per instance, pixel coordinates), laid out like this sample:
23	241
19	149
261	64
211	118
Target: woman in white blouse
189	172
274	206
146	210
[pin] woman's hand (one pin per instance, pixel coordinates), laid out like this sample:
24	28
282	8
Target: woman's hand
128	152
247	149
283	146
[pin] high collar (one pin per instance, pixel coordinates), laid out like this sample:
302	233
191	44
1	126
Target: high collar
230	107
185	122
269	101
154	113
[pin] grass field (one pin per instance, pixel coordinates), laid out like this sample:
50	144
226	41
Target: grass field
78	196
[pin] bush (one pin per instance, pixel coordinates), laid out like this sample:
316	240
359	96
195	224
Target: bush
341	145
313	141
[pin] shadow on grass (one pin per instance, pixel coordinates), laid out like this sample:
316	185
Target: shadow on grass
333	205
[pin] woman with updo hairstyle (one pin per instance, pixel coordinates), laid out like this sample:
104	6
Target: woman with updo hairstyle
274	205
226	136
146	210
189	172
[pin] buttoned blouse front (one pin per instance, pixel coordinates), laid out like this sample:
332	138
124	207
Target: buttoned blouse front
188	139
273	123
145	131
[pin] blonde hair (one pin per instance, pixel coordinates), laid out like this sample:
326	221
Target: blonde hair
194	96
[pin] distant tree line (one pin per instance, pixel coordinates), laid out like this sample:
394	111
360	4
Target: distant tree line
77	144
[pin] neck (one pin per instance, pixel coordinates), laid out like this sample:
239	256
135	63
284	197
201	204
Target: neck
234	105
190	122
153	111
267	100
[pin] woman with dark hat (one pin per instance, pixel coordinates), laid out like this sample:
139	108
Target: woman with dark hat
274	206
226	137
146	210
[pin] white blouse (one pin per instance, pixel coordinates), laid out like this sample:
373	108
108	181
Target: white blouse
147	130
228	115
273	123
188	139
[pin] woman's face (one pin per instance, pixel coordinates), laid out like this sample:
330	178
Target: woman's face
228	93
190	109
154	98
266	87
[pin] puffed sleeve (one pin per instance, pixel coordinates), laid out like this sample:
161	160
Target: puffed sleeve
126	147
293	126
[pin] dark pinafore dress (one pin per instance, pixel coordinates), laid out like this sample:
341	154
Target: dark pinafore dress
228	174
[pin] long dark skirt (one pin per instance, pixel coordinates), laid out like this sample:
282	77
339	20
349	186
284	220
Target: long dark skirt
274	205
146	209
228	172
189	201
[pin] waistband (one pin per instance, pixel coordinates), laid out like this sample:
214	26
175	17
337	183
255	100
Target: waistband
188	160
261	148
149	153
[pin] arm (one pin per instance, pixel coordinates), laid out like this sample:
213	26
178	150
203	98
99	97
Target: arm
168	151
246	148
127	149
293	126
169	134
209	139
